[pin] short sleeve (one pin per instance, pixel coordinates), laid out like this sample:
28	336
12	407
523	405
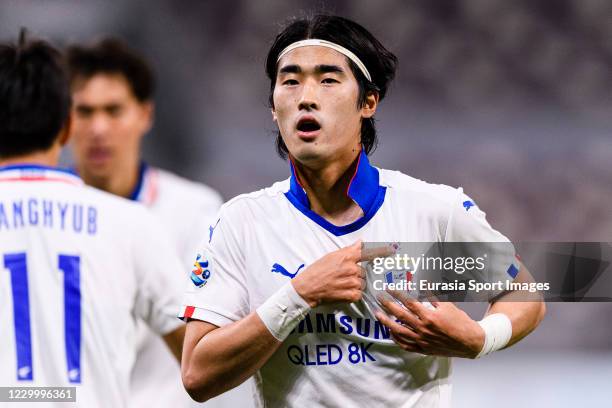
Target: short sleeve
157	267
217	290
202	219
469	231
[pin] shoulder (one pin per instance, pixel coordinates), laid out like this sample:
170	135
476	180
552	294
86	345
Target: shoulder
123	214
266	199
173	185
110	201
418	190
121	218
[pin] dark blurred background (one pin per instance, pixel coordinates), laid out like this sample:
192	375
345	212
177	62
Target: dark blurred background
510	99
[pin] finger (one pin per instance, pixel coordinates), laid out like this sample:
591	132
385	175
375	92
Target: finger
410	303
357	245
402	314
435	302
397	329
357	283
399	295
363	271
351	295
410	346
354	250
369	254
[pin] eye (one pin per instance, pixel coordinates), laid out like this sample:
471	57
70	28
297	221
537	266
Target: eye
290	82
84	111
114	110
330	81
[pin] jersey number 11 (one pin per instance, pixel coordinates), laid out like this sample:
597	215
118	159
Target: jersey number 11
71	266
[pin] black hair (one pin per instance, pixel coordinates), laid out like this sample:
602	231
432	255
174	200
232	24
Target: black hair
112	56
379	61
34	96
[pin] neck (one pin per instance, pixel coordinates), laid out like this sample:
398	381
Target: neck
121	184
326	188
44	158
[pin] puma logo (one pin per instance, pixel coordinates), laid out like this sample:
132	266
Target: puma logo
278	268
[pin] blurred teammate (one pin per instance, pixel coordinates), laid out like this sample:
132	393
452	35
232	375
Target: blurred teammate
290	253
112	91
77	263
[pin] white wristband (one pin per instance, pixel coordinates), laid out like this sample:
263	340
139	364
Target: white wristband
498	331
283	311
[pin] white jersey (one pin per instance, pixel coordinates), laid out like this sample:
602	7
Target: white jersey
339	355
186	209
78	267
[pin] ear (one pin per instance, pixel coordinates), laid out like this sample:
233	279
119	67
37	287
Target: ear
274	118
148	112
64	134
370	104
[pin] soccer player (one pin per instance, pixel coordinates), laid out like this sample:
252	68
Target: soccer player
112	91
77	264
282	296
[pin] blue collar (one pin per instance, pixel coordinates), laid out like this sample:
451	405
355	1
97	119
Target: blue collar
364	188
142	170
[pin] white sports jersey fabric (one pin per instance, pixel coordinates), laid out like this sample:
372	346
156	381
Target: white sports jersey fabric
77	267
339	355
186	210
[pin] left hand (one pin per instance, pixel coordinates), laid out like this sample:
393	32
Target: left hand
444	331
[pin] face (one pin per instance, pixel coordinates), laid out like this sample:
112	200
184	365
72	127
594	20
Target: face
315	106
108	126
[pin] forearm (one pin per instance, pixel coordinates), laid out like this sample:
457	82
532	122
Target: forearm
524	309
225	357
524	316
174	340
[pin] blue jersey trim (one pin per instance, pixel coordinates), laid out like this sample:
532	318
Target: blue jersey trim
37	167
364	189
138	189
344	229
296	189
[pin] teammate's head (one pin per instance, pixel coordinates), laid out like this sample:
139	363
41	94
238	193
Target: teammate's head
378	61
112	91
34	98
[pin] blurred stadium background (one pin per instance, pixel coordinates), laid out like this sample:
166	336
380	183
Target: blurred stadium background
510	99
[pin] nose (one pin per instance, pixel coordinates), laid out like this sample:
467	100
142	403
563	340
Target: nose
309	98
99	125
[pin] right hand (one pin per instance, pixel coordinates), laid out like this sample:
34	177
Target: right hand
337	276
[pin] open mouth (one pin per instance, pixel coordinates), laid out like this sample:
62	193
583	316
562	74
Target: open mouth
98	154
308	125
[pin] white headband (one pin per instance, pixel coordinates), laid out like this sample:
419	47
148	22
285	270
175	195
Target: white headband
328	44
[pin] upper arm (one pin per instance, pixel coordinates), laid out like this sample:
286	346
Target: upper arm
515	299
524	309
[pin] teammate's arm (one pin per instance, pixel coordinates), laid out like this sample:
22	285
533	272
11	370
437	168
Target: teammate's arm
159	294
216	359
174	340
